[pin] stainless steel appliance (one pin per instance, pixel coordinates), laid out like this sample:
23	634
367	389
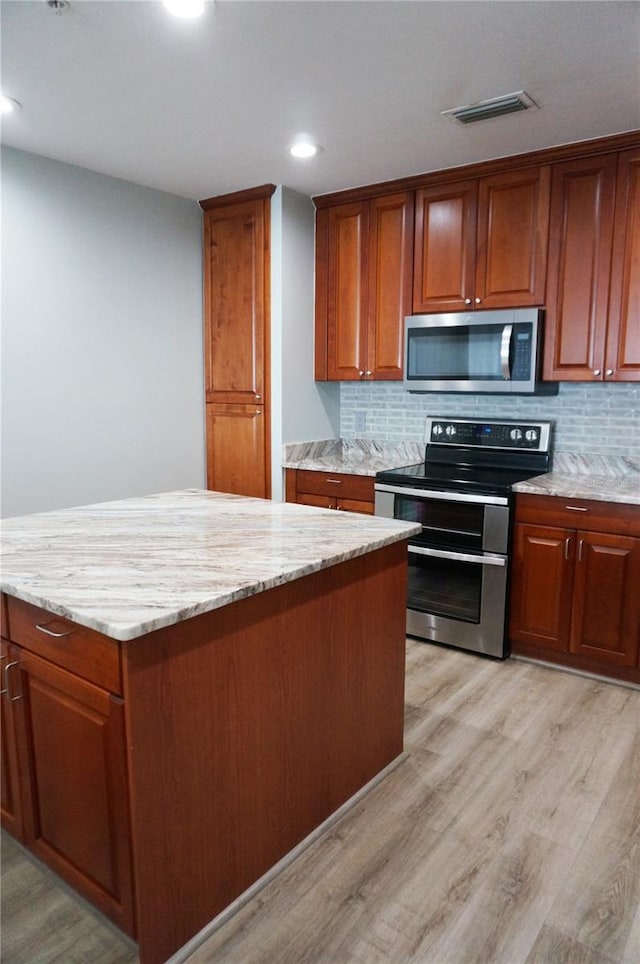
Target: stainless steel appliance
461	495
497	352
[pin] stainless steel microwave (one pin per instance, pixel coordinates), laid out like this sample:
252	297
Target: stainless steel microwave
497	352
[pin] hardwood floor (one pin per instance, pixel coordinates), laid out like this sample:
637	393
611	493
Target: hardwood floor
510	835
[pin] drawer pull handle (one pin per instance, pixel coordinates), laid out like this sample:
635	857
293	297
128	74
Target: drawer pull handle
576	508
334	481
12	699
50	632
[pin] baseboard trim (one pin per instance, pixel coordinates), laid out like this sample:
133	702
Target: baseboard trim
576	672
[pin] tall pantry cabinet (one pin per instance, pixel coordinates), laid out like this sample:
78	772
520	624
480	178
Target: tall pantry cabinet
237	338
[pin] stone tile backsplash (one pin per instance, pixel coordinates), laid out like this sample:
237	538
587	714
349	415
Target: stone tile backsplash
589	418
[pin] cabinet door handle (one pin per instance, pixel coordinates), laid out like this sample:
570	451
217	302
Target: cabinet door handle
12	699
567	544
368	372
609	372
597	371
361	374
478	301
467	301
576	508
580	545
50	632
4	688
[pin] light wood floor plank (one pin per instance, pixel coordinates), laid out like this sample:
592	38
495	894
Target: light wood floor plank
510	835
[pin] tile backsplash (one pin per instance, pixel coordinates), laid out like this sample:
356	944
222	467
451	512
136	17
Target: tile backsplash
589	418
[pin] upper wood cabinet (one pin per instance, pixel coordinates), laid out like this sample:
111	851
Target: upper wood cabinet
623	332
482	243
237	332
363	287
593	295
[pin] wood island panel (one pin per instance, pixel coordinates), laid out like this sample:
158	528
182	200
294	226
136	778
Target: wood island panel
249	726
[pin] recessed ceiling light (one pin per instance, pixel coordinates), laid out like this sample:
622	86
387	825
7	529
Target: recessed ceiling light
185	8
8	104
304	147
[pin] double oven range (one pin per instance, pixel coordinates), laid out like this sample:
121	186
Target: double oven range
462	496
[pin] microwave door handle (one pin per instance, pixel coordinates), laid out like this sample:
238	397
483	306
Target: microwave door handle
505	351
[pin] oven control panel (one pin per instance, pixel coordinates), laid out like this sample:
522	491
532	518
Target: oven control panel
504	434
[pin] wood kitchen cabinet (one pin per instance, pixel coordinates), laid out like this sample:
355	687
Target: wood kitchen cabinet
10	797
363	287
576	572
67	796
482	243
593	296
237	333
331	490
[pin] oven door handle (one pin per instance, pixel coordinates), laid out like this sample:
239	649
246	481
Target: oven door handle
485	560
444	496
505	350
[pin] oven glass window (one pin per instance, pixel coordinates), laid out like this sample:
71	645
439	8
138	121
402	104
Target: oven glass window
445	524
444	587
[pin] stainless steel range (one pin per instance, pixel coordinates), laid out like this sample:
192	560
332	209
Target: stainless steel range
462	496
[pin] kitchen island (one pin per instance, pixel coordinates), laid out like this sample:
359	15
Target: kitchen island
194	683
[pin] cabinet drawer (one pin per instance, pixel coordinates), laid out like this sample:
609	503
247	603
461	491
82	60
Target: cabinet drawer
587	514
89	654
335	484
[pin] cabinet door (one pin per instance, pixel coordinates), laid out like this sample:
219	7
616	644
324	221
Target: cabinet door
237	450
445	247
606	618
72	759
623	333
10	799
390	277
513	227
542	585
580	239
236	302
346	290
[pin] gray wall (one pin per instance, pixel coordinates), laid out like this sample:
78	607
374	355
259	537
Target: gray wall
302	409
593	419
102	385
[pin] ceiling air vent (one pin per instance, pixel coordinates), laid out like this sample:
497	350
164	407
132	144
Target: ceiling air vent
484	109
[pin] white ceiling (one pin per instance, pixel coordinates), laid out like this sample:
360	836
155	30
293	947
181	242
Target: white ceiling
201	108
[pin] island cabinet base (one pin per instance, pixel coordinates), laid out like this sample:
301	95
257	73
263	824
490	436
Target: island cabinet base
248	726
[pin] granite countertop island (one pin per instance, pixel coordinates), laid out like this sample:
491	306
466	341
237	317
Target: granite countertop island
220	676
133	566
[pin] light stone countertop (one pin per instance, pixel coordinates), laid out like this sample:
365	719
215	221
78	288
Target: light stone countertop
130	567
351	456
598	477
601	477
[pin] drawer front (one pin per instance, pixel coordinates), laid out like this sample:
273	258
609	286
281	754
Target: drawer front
86	653
337	485
588	514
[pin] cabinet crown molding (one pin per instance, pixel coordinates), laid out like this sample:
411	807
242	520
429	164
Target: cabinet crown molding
563	152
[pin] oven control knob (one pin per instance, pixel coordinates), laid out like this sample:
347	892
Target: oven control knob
437	430
515	434
450	430
531	435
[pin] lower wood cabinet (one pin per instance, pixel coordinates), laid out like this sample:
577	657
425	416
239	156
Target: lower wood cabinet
575	582
64	785
331	490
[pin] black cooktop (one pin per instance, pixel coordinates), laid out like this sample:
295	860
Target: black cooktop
458	478
467	455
